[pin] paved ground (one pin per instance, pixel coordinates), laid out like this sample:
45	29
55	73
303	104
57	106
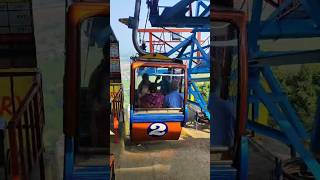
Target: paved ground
262	153
185	159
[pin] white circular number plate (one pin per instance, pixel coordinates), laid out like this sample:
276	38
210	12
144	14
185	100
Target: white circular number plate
157	129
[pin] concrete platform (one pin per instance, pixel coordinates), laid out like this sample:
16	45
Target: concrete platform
187	158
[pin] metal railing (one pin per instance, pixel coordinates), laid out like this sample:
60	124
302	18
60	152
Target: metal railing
25	130
116	98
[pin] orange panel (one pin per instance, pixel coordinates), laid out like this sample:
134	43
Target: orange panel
155	131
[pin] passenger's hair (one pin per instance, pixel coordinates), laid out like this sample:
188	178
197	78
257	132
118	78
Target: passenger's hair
145	76
153	87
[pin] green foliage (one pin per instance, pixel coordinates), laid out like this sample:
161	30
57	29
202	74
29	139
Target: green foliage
302	86
204	88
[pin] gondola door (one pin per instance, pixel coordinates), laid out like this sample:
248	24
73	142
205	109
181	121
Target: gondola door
86	90
94	95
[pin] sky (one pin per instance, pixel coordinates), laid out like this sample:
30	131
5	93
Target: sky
124	9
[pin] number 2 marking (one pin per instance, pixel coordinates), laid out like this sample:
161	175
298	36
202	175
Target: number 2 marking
157	129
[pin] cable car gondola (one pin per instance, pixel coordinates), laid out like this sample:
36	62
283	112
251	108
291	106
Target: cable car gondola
158	109
86	91
228	96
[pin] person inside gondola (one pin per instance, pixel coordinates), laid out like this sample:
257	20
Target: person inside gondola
144	90
152	99
164	84
144	84
174	99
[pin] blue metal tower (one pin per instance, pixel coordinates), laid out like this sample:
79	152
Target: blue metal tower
289	19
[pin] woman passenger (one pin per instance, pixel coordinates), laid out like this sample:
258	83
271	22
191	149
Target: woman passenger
145	82
152	99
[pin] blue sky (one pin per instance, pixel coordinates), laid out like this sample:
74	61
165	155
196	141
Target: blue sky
124	9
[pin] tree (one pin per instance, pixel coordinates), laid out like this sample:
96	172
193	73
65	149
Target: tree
302	94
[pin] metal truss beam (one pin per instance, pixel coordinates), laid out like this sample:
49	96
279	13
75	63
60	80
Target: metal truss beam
175	16
283	114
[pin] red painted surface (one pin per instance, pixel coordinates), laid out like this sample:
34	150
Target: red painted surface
139	132
238	19
6	104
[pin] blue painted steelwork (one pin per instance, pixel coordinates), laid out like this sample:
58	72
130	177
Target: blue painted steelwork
186	115
230	172
175	16
268	131
68	158
295	29
72	172
193	90
283	114
91	173
315	145
284	58
278	25
244	158
201	67
303	21
222	173
277	96
143	118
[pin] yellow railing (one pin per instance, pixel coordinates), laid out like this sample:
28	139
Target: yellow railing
25	128
116	97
